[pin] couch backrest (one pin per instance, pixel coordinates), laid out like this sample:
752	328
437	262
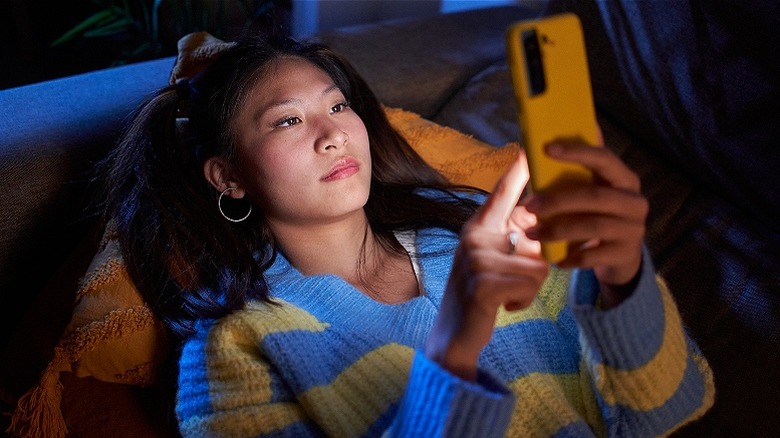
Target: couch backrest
420	64
51	134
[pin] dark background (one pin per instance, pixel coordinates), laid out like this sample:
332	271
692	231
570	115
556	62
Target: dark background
28	29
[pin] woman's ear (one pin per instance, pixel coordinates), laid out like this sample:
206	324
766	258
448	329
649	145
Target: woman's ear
218	174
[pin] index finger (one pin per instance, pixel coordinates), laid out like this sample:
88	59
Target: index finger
501	202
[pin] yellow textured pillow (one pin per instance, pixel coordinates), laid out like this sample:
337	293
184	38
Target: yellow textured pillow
461	158
113	336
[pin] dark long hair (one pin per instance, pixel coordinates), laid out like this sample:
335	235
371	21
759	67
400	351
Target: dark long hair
187	261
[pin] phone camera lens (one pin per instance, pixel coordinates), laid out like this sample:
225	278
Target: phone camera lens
533	62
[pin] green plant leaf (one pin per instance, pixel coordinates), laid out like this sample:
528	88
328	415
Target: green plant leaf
79	28
118	26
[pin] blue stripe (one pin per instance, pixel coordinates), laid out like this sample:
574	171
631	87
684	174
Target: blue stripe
531	346
193	389
629	335
578	429
301	353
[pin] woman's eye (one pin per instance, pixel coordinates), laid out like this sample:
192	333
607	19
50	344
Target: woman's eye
289	121
339	107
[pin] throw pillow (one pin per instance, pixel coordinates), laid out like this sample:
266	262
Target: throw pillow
459	157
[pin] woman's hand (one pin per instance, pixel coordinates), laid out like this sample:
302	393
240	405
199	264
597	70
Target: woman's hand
603	222
490	269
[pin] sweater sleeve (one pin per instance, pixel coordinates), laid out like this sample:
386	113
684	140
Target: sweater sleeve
438	403
648	373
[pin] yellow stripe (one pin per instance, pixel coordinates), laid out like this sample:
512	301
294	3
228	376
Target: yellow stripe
362	392
546	403
652	384
547	305
240	380
250	421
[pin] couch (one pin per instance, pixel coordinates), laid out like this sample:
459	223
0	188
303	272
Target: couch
717	251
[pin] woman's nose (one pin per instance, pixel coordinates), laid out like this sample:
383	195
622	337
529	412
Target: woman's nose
331	136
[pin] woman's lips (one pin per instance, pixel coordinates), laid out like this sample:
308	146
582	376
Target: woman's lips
342	168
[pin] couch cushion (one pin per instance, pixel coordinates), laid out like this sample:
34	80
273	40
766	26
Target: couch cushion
484	107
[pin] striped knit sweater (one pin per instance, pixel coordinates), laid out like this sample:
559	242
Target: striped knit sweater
328	360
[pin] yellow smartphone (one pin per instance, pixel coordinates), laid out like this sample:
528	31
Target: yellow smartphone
549	71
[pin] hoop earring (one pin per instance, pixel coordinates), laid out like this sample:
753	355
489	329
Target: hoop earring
219	206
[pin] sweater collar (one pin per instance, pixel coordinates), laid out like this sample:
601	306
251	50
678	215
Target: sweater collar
330	298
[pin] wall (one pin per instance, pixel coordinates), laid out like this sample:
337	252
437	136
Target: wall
311	16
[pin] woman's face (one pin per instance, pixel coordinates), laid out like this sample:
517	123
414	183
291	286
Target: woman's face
302	153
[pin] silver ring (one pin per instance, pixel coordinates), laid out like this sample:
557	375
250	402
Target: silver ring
512	237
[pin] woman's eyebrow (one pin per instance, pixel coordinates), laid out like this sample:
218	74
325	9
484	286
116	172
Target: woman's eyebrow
331	89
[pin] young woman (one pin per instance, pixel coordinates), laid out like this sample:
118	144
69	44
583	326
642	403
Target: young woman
323	280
